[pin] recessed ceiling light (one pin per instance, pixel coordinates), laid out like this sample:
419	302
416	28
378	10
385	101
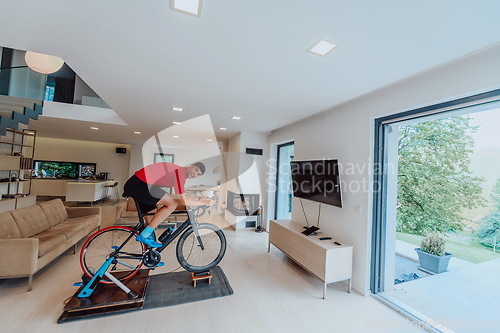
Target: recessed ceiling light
322	47
210	140
94	128
176	122
137	132
223	129
175	136
190	7
177	109
235	117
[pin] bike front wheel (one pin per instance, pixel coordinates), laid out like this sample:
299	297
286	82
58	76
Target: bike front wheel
204	253
102	244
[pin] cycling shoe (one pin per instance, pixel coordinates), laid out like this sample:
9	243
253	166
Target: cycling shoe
150	241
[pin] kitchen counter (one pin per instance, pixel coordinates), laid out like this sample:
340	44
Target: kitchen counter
89	181
86	190
58	187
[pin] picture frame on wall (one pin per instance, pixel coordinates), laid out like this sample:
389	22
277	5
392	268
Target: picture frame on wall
160	157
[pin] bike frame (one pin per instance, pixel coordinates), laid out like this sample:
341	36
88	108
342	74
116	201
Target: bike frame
191	221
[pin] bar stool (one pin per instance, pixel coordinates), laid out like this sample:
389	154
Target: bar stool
106	194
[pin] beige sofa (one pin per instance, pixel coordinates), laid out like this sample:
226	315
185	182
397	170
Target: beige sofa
126	209
32	237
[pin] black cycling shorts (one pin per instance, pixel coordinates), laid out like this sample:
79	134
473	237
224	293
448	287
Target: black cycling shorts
146	195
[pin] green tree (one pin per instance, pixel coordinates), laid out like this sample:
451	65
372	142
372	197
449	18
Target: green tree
435	182
495	194
489	226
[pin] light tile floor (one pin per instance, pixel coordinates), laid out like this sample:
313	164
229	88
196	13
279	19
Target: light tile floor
272	294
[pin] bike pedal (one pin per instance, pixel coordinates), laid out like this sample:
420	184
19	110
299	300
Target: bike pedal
114	247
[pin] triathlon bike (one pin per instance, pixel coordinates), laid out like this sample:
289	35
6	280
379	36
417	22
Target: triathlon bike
201	246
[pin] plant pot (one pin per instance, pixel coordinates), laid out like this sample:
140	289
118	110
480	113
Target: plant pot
433	263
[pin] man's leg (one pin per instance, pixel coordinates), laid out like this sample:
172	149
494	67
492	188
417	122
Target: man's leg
148	218
169	204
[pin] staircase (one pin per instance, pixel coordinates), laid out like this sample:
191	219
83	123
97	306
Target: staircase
14	111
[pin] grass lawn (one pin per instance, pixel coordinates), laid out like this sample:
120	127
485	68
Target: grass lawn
462	247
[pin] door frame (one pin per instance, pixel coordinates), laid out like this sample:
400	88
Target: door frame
380	187
278	147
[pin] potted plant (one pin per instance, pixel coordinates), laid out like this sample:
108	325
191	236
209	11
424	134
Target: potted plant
431	254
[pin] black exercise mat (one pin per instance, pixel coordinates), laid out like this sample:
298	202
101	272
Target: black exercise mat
162	290
177	288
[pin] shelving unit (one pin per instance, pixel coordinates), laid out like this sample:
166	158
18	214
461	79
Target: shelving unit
17	149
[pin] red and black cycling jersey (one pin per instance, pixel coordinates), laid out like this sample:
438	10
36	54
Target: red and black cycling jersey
164	174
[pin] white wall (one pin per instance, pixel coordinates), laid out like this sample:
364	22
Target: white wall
249	170
102	153
82	113
253	180
232	158
346	132
135	159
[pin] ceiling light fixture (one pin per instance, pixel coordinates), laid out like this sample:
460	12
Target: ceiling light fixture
137	132
177	109
94	128
176	122
235	117
190	7
223	129
210	140
175	136
43	63
321	47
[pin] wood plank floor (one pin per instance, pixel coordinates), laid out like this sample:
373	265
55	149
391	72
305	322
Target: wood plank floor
272	294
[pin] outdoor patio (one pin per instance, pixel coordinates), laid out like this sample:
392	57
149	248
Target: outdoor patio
466	298
407	262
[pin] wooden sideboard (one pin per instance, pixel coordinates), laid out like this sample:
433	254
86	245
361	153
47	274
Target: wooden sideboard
323	258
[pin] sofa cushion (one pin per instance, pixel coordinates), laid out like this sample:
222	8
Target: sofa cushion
73	226
126	214
30	220
131	205
49	241
8	227
54	211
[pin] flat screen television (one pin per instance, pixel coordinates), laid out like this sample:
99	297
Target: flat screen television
317	180
86	170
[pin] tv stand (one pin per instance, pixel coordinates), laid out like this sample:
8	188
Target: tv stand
324	259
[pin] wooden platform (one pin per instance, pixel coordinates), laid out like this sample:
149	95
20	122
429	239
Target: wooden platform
201	276
107	299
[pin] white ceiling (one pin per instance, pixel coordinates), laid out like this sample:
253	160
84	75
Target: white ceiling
243	58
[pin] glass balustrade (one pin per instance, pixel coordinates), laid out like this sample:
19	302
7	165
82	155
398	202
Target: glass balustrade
23	82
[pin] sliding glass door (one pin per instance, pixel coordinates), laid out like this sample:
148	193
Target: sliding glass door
437	182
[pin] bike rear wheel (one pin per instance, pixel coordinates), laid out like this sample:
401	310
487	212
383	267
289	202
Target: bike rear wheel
190	254
103	243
